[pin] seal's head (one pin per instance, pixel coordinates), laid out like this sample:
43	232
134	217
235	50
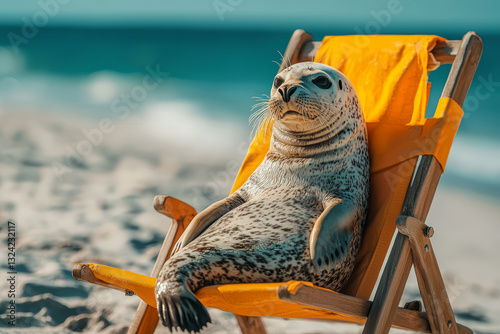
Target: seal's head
308	96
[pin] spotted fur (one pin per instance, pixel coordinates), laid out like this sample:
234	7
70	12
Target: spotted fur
318	158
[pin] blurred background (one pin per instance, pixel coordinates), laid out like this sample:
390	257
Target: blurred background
105	104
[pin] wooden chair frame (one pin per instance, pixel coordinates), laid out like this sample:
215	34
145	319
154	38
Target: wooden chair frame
412	245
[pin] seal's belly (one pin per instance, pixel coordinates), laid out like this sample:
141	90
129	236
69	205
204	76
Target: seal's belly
269	218
260	241
265	239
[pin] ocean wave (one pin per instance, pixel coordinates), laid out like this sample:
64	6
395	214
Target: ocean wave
475	161
189	127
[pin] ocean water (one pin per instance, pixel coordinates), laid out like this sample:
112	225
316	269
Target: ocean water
94	122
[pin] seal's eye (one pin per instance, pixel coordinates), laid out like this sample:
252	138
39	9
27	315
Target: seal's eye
278	81
322	82
340	84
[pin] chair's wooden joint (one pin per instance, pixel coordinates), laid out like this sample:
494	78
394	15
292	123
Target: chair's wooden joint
410	225
283	292
430	281
428	231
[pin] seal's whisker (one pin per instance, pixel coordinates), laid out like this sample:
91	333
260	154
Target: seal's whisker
287	61
256	116
261	116
260	104
264	98
257	98
310	114
282	58
322	119
262	112
257	121
262	123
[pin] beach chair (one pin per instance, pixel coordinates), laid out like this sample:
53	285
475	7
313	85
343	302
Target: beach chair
408	155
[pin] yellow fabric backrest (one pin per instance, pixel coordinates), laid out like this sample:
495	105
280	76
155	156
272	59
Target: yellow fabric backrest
389	74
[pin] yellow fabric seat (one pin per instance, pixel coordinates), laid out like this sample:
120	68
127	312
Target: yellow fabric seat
251	299
261	300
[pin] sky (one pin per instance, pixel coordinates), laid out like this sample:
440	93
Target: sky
481	15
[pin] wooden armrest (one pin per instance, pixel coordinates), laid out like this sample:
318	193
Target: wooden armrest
114	278
83	272
126	281
173	208
182	214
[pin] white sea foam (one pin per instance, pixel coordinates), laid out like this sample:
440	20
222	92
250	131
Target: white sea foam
102	86
475	158
184	125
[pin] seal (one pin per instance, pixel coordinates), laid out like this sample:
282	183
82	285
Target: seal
299	216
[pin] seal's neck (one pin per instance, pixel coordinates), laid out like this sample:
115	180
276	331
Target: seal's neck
320	141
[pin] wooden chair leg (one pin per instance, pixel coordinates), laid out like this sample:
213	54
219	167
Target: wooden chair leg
145	320
146	317
250	325
430	281
394	277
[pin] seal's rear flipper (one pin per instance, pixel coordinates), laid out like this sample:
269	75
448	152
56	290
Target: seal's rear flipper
181	309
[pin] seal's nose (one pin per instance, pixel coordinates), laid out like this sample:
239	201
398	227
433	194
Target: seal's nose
287	92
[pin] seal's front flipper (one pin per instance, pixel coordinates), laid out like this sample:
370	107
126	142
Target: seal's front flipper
331	235
329	253
206	218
